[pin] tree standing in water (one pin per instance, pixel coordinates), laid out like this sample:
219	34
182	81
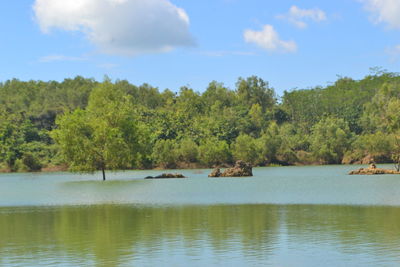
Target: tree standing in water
105	136
396	153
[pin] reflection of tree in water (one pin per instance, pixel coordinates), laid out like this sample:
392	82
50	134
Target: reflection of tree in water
352	227
113	234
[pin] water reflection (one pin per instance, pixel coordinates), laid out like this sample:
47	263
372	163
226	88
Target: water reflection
114	235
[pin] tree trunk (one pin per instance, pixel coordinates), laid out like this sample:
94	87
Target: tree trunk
104	174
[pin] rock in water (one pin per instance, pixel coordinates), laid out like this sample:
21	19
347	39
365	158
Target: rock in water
166	175
241	169
372	169
372	166
215	173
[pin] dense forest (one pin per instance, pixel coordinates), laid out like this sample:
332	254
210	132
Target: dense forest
86	125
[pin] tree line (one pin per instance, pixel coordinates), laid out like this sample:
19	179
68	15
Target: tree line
86	125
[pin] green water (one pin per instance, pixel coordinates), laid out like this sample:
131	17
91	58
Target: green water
285	216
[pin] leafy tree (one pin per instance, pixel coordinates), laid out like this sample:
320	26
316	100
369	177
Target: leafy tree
189	102
217	97
31	162
11	139
18	136
254	90
188	151
292	142
214	152
330	139
377	144
165	153
257	117
396	151
168	128
270	142
382	112
104	136
245	148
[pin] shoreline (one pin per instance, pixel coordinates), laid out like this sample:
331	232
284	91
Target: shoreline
55	169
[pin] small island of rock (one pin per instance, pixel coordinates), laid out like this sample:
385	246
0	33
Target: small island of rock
372	169
166	175
241	169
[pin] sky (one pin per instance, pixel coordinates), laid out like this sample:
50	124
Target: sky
292	44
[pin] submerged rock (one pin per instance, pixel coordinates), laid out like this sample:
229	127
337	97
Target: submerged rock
372	169
241	169
166	175
215	173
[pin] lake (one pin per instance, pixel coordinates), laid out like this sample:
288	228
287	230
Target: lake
283	216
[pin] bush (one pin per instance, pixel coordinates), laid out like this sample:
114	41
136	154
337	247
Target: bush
330	139
31	162
377	146
214	152
245	148
188	151
19	166
270	142
165	154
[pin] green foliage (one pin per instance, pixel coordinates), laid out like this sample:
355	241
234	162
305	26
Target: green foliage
165	153
18	136
396	150
344	99
217	97
379	146
330	139
117	125
270	143
188	151
31	162
104	136
246	148
214	152
11	139
257	117
383	112
254	90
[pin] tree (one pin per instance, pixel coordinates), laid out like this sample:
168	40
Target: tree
379	146
105	136
165	153
19	138
256	117
188	150
214	152
11	139
31	162
254	90
245	148
396	152
270	142
330	139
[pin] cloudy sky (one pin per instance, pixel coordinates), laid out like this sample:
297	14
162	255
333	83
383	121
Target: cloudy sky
172	43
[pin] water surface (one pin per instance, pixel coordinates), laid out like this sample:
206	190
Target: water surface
284	216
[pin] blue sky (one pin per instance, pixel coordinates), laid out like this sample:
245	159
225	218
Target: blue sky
172	43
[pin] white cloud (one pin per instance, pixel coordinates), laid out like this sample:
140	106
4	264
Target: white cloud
226	53
386	11
268	39
124	27
53	58
298	16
